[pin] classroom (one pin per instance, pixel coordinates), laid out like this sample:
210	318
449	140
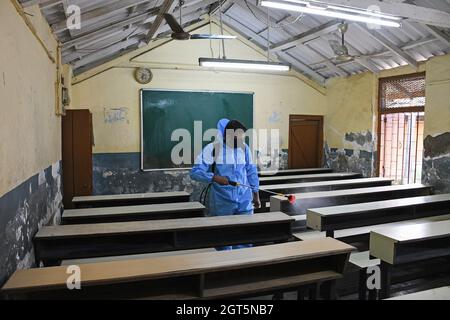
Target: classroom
257	150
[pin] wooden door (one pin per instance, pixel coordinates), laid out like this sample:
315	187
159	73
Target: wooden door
77	141
305	141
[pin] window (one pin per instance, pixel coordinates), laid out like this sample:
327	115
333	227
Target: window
401	127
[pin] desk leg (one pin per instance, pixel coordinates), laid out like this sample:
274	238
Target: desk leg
385	280
329	291
363	284
314	292
330	233
278	296
301	293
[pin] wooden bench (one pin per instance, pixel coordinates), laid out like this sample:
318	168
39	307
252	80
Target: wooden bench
408	244
71	262
211	275
293	188
321	199
308	178
330	219
130	199
289	172
361	235
56	243
433	294
134	213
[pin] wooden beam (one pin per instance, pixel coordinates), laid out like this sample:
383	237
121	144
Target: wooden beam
120	24
385	52
412	12
307	36
315	75
293	60
165	7
126	59
98	14
104	52
229	21
438	34
364	62
332	66
389	45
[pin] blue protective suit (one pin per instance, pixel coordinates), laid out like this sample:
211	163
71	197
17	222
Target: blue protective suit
236	165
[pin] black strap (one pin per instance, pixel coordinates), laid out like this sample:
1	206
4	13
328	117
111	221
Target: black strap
214	155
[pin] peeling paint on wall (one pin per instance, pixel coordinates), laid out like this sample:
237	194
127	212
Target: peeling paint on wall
436	165
360	140
31	205
117	173
359	155
349	160
120	173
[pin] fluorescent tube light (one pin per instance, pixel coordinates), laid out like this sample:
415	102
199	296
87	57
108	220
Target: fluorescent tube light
341	13
243	64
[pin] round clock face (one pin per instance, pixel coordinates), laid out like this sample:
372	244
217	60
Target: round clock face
143	75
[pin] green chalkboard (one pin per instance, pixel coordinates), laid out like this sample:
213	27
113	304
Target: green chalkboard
164	111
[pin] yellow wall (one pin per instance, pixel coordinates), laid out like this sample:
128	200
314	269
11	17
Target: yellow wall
175	66
352	103
29	129
349	104
437	115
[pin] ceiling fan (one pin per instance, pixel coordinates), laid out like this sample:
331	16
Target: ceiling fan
178	33
339	48
341	51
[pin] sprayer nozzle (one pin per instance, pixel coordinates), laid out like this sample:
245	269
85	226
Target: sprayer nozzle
292	199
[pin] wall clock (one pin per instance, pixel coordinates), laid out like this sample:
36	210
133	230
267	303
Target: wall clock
143	75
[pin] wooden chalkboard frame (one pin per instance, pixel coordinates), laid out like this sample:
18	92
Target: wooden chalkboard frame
141	102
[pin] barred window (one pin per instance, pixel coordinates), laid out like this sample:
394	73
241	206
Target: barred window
402	92
401	128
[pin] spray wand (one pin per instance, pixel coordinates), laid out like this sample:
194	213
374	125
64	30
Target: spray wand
291	198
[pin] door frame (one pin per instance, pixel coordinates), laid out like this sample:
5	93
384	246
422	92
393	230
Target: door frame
296	118
382	112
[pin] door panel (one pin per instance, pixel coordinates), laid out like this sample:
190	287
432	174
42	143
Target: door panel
305	141
77	154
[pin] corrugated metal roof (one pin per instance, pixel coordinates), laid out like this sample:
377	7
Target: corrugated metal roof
113	27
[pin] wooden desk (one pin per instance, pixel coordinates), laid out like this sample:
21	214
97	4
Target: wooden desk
308	178
130	199
290	172
433	294
360	237
211	275
292	188
330	219
134	213
407	244
321	199
56	243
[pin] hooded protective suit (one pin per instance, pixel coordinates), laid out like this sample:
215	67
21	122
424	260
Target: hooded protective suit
235	164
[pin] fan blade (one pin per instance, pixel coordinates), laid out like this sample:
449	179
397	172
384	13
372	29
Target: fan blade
163	37
211	37
173	23
336	46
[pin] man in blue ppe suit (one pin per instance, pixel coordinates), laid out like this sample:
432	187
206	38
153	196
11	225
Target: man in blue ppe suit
228	159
